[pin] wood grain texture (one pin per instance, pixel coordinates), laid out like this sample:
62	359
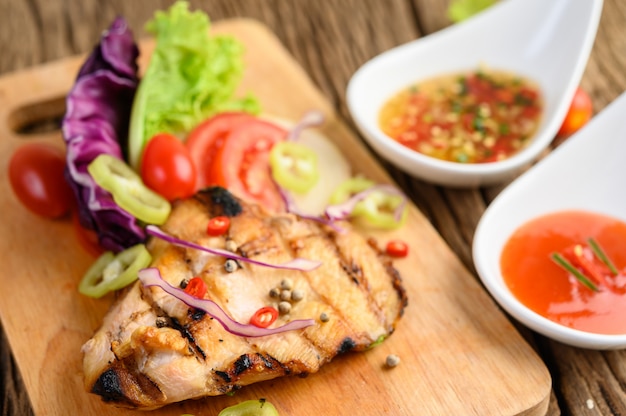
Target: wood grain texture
330	39
467	355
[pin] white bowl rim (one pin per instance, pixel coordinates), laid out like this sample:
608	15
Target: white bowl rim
400	155
484	262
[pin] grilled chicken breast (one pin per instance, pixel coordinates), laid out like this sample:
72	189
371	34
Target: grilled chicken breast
152	349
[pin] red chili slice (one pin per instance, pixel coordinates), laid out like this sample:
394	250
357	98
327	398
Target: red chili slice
264	317
397	248
196	288
218	226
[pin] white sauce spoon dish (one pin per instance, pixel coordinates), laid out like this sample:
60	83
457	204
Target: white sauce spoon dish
586	173
547	42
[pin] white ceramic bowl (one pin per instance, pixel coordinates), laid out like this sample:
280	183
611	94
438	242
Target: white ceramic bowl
587	172
546	41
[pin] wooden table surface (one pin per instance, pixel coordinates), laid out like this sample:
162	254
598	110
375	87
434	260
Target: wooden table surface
331	39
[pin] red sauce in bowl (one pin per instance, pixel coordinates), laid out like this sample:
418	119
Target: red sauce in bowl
550	290
476	117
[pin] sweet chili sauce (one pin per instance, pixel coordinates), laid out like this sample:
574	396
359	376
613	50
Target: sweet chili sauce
550	290
476	117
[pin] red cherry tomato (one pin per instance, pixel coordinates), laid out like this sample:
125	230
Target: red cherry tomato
242	163
196	287
37	179
218	226
397	248
579	113
207	138
167	167
264	317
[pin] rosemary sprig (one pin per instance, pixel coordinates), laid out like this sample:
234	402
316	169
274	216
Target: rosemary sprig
597	250
561	261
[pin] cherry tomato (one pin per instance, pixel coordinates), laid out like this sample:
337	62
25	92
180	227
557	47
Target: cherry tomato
242	163
37	179
579	113
397	248
207	138
264	317
196	287
218	226
167	167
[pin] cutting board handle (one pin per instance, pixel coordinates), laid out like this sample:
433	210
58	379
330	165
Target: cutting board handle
32	102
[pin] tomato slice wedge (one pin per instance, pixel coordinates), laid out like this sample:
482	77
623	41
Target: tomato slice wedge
207	138
241	164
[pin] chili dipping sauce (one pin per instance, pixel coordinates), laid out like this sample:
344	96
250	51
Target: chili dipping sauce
538	281
475	117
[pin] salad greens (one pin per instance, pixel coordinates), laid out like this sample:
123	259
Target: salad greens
459	10
110	111
191	76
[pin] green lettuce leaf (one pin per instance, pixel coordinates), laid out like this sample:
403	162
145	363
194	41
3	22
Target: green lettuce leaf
191	76
459	10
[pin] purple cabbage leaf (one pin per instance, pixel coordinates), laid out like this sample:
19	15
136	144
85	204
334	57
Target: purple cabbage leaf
96	122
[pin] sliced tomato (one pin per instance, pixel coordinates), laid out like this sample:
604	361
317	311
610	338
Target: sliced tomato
241	164
207	138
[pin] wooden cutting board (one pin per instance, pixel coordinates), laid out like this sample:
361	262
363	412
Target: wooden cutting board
459	354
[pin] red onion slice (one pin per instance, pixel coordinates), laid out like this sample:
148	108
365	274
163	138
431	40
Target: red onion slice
152	277
304	265
291	207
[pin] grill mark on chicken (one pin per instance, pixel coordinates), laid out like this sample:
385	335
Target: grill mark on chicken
353	270
224	375
123	387
346	345
218	201
215	361
108	386
326	241
187	334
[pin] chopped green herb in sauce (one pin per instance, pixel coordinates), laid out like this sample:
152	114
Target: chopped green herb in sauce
476	117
